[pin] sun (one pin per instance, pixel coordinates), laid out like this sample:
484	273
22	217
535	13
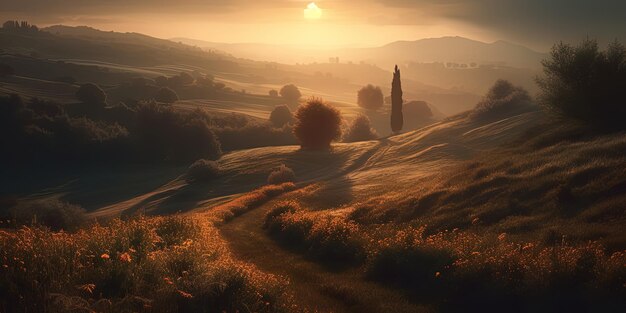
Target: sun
312	12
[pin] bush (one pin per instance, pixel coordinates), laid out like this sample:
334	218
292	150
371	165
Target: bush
203	170
273	93
290	93
166	95
161	132
370	97
254	135
502	99
360	130
161	264
417	110
586	84
281	208
92	94
280	116
317	124
281	175
55	214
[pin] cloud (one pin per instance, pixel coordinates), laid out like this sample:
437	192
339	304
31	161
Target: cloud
538	20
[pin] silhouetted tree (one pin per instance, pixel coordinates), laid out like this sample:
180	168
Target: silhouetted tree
273	93
19	26
166	95
586	84
317	124
92	94
280	116
396	102
370	97
359	130
290	93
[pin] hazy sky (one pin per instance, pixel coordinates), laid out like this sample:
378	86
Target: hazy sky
536	23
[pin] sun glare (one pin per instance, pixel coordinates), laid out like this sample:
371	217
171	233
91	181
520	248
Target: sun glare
312	12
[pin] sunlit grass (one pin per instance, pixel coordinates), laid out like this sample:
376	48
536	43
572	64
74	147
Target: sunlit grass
164	264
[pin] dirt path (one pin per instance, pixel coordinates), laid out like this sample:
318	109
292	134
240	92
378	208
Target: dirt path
314	287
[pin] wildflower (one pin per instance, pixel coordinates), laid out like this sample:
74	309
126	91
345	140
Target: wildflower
87	287
168	280
105	256
437	274
125	257
502	236
185	294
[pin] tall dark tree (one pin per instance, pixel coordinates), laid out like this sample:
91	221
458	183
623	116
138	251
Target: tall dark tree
396	102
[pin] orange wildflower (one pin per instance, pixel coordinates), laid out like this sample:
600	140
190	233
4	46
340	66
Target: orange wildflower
125	257
105	256
185	294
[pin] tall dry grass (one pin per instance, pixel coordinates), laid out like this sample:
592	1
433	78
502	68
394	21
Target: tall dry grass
146	264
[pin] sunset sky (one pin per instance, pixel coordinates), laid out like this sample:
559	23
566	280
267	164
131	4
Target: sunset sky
536	23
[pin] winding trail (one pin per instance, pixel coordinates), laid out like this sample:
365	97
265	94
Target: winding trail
314	287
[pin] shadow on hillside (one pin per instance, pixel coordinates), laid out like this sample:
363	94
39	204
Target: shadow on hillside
93	188
309	166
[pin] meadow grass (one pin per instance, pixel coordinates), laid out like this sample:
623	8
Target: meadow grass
536	227
176	263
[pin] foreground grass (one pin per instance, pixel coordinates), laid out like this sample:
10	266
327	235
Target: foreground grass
461	270
144	264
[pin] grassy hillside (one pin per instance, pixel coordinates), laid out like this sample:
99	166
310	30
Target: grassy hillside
496	211
466	198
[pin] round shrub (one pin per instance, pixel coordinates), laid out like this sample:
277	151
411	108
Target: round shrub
166	95
273	93
281	208
317	124
202	171
280	116
502	98
55	214
290	93
91	93
360	130
370	97
282	174
418	110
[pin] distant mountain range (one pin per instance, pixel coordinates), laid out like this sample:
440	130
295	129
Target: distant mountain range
444	49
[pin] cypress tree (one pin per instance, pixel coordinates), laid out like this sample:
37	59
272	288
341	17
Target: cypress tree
396	102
